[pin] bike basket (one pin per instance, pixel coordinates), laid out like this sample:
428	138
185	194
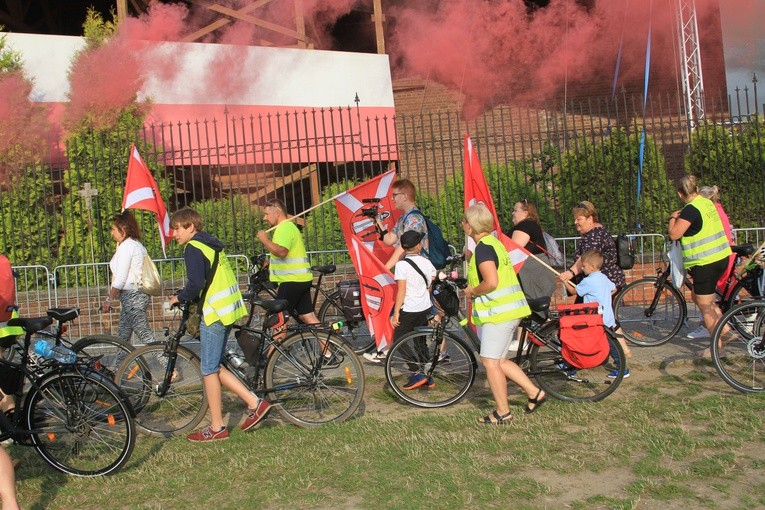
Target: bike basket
350	299
582	334
249	342
446	298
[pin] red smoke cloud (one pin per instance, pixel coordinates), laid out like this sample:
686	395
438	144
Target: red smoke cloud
23	124
490	51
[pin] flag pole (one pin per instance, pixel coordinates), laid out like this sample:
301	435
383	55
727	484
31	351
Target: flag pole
292	218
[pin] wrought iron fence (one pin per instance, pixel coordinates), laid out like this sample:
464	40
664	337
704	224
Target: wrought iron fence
559	156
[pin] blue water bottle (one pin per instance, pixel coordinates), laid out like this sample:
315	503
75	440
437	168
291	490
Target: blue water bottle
59	353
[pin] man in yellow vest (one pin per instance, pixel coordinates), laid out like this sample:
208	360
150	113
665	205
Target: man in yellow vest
222	306
289	268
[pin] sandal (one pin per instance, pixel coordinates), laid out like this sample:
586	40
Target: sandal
536	401
498	419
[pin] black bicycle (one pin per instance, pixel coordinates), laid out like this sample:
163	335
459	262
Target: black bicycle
76	419
312	375
652	310
738	346
448	362
354	327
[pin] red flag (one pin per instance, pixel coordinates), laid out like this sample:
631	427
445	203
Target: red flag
378	288
477	191
141	192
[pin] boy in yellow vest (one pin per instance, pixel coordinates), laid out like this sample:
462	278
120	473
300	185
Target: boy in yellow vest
222	306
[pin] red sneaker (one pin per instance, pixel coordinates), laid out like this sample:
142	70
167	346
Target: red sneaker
256	415
208	434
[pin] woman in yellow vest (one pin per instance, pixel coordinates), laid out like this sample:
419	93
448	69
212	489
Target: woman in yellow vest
705	247
498	306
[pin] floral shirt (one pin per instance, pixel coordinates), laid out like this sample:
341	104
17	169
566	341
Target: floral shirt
413	221
599	239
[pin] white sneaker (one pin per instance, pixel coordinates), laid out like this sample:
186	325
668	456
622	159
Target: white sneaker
375	357
700	332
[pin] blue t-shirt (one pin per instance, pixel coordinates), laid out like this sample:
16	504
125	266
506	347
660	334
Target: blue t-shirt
597	288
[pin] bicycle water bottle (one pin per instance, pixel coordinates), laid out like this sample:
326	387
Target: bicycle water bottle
57	352
235	359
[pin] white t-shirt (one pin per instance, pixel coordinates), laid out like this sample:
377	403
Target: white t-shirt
417	296
127	264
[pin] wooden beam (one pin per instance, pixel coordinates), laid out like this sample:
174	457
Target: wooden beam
255	21
378	18
122	10
220	22
300	23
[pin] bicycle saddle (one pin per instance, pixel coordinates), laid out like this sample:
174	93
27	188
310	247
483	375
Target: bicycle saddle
324	269
31	325
743	250
63	314
274	305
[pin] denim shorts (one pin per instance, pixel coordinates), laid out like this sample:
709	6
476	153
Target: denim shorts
212	345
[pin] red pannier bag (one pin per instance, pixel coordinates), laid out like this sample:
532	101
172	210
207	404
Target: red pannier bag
7	289
582	335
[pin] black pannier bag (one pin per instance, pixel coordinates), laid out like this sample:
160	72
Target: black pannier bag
350	299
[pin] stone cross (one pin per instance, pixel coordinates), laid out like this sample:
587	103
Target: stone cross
88	193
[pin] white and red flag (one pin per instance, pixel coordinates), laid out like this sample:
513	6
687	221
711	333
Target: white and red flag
368	253
141	192
477	191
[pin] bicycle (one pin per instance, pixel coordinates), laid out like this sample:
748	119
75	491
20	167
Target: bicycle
76	419
312	376
738	346
652	310
450	362
108	351
354	328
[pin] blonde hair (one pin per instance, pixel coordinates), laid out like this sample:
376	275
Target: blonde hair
593	258
479	218
587	209
687	186
710	192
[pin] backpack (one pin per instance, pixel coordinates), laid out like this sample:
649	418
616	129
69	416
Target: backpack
625	252
582	334
553	251
438	248
7	289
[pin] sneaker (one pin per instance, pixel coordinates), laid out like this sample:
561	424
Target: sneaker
255	416
375	357
431	383
208	434
613	373
443	357
700	332
570	372
417	380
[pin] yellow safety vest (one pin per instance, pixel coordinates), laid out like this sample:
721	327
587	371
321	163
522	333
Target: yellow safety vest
223	301
295	266
710	244
507	301
6	330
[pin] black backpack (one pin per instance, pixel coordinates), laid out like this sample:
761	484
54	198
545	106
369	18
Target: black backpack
625	251
438	248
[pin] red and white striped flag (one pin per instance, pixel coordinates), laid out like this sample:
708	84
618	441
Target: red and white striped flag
141	192
477	191
378	288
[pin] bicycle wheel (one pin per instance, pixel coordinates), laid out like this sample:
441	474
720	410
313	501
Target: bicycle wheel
562	381
356	333
82	423
642	324
108	350
184	404
310	389
448	379
738	347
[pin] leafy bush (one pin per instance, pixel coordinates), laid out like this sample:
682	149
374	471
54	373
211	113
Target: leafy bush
587	173
733	158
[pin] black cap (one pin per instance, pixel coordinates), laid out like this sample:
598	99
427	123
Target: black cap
411	238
